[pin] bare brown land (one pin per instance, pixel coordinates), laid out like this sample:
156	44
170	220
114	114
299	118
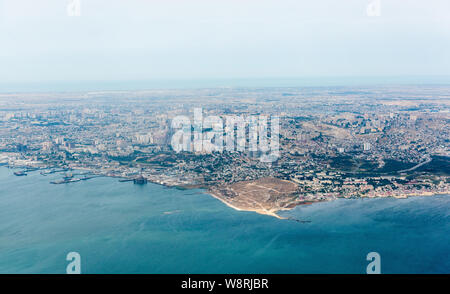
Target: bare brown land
264	196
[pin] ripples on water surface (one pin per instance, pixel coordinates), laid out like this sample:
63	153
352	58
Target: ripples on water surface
126	228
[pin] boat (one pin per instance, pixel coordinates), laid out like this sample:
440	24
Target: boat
68	176
125	180
65	181
140	180
20	173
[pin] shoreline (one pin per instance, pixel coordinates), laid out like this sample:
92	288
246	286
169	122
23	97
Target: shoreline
259	211
273	213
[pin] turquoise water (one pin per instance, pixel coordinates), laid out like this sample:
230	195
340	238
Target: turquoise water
125	228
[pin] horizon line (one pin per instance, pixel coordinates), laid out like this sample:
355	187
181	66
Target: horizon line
226	82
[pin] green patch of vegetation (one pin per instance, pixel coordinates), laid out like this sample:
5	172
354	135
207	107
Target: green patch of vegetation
438	165
392	166
344	163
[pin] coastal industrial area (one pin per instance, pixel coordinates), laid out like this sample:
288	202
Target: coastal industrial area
334	142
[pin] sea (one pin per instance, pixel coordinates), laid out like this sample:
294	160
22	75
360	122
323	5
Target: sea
184	84
125	228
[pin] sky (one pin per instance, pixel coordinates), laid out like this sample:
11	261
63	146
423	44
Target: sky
221	39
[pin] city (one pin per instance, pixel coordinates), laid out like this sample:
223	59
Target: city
335	142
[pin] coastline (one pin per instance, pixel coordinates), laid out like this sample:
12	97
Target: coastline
272	212
259	211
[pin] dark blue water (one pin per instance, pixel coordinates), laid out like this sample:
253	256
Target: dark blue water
125	228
